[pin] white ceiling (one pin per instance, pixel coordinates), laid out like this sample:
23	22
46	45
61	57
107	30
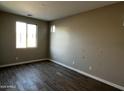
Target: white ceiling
50	10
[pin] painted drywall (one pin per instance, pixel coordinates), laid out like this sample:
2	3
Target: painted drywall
8	51
92	42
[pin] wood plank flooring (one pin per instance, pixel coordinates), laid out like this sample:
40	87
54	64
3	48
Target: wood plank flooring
47	76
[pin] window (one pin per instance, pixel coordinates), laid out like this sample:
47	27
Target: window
26	35
53	28
20	35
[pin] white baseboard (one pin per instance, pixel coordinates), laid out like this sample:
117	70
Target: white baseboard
76	70
24	62
89	75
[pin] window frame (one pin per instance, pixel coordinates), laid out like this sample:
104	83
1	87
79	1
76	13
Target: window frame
27	35
53	28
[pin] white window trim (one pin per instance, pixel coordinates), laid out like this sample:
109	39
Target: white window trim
26	35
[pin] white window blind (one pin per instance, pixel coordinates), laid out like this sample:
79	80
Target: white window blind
53	28
26	35
31	35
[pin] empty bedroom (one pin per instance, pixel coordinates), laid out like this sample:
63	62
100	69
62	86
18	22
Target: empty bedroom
61	45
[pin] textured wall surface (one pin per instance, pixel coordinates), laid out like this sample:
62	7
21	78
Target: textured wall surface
92	42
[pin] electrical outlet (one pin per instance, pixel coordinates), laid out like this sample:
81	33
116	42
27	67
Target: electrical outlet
16	58
73	62
90	67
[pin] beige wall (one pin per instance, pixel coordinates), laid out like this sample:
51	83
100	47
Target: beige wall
94	38
8	51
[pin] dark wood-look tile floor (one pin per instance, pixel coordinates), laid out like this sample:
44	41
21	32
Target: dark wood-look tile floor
47	76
